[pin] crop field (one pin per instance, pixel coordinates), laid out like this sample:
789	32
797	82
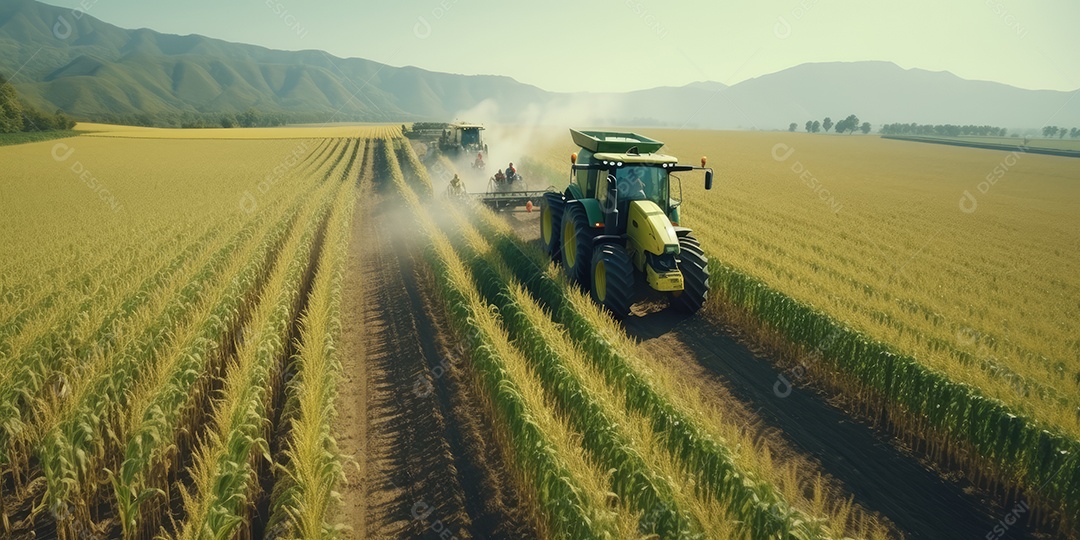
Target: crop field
168	324
301	132
960	264
292	333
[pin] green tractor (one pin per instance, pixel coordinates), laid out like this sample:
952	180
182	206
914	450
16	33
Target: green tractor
617	223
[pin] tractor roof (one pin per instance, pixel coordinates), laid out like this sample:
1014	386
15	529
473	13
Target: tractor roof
467	126
615	141
634	158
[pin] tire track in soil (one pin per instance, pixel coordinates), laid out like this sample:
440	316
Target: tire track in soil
863	459
427	470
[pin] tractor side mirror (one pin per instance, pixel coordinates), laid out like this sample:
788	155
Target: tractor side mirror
708	179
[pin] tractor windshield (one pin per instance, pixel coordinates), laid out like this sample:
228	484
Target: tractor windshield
638	182
470	136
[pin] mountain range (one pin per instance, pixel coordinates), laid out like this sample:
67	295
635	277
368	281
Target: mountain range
59	59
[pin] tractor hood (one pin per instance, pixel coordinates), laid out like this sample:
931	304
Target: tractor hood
647	226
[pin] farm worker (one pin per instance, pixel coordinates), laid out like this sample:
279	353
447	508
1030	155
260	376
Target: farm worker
499	177
511	173
455	184
479	161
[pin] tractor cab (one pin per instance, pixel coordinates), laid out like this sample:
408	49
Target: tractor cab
463	138
616	168
622	178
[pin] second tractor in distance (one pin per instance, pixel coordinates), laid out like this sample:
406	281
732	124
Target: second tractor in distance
617	224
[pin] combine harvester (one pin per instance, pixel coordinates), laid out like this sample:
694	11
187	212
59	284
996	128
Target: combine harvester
615	228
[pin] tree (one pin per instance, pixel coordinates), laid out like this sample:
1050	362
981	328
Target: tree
865	128
248	118
1074	133
849	124
792	127
228	121
11	111
817	126
809	126
1049	132
35	120
1062	132
827	124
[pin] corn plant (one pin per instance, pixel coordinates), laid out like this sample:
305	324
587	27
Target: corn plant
89	438
61	356
148	458
633	479
758	505
304	492
1039	457
226	473
570	511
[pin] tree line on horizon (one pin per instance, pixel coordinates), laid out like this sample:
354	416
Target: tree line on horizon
15	116
851	124
1050	132
943	130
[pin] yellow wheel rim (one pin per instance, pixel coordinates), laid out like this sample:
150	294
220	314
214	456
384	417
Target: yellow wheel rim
570	244
600	281
545	224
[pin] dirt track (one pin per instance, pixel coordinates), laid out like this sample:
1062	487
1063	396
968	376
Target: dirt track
865	463
425	466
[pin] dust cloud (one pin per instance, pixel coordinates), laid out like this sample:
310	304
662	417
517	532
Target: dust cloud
526	134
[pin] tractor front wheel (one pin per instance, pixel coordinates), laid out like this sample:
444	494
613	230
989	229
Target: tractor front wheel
694	266
551	213
612	278
577	238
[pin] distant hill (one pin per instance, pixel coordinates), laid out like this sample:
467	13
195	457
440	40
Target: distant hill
882	93
92	69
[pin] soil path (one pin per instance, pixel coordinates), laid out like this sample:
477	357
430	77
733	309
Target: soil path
425	463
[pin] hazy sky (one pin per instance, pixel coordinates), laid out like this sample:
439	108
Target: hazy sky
618	45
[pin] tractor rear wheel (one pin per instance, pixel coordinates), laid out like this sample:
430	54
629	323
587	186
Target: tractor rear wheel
551	213
577	238
612	278
694	266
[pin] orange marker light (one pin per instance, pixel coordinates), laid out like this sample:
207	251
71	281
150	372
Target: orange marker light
528	207
702	161
573	159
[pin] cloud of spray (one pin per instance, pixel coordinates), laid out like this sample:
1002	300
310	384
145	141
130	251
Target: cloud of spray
512	136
